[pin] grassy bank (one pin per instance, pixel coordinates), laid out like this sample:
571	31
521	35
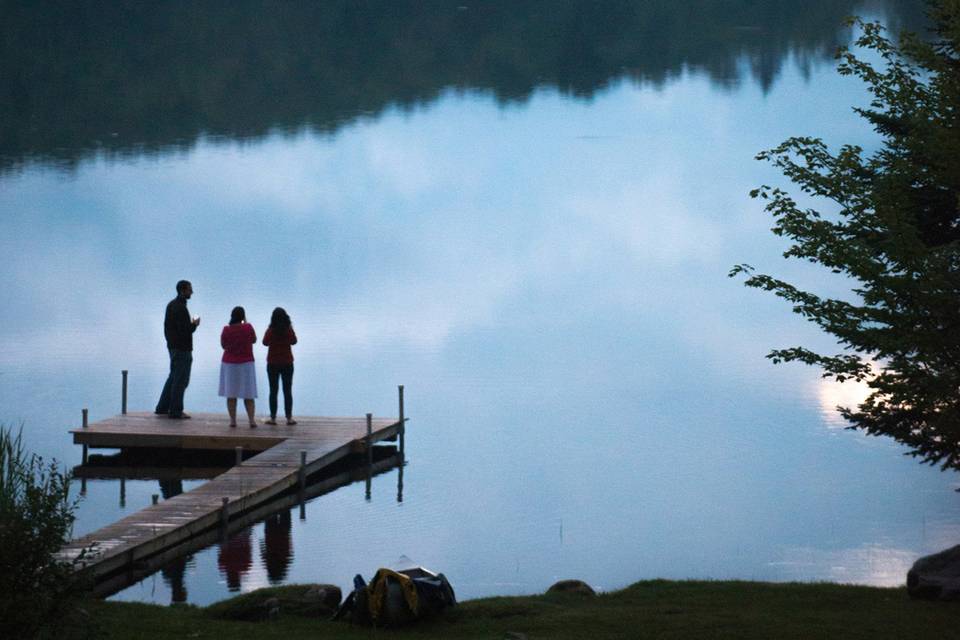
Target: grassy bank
654	609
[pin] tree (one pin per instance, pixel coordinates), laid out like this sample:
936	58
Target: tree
37	590
894	230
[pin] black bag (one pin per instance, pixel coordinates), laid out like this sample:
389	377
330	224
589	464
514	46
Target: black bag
396	598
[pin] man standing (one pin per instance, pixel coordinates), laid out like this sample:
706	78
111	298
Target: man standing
178	328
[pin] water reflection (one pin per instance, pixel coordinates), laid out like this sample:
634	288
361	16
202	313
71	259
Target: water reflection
174	572
546	271
234	543
870	564
276	548
89	79
832	394
234	558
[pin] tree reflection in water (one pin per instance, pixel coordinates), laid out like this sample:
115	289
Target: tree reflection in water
85	79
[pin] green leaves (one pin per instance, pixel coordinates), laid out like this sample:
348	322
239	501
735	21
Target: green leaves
893	228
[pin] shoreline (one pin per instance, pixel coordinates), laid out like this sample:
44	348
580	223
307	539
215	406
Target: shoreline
654	608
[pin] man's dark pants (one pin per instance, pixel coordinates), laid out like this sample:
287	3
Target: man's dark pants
171	398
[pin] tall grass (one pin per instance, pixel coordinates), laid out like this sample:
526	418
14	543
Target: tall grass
38	590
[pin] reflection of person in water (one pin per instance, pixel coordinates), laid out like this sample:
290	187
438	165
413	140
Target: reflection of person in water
235	558
174	572
275	548
173	575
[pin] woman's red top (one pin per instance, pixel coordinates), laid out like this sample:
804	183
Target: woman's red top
237	341
278	351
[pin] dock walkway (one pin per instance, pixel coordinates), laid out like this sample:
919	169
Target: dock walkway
284	457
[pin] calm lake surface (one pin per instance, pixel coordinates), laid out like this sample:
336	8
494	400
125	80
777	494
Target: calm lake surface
524	214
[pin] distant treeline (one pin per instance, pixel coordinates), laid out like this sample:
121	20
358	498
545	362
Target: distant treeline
85	77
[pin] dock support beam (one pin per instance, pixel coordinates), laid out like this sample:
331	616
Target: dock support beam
224	516
369	440
303	484
123	394
403	424
85	424
155	498
303	470
369	443
123	492
239	455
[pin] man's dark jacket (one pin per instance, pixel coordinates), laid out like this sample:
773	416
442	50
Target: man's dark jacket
177	326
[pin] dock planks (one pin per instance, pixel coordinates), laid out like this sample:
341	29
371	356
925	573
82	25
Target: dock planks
132	541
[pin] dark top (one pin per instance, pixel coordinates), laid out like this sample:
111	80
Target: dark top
237	341
278	346
177	326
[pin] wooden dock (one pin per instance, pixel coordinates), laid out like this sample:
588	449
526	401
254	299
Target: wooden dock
284	457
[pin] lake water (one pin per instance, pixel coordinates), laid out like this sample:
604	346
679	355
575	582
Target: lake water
524	214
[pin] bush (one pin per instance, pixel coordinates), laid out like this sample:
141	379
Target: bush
38	590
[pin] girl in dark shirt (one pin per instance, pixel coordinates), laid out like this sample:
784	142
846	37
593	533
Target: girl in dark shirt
277	339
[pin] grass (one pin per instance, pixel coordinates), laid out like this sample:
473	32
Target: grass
651	609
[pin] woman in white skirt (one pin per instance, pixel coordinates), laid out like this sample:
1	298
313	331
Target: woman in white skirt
238	376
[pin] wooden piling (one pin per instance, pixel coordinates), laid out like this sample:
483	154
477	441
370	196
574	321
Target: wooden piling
85	425
402	428
369	444
224	515
123	394
155	498
369	439
303	470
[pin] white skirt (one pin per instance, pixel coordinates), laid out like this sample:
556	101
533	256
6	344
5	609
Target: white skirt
238	380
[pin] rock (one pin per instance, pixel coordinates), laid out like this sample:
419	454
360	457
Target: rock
326	596
310	601
271	608
936	576
578	587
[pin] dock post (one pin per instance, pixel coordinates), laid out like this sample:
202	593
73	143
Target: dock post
303	472
369	453
123	492
303	485
369	440
403	424
224	516
123	394
239	455
399	478
85	414
156	498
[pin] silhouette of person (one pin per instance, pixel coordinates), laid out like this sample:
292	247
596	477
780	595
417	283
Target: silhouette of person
238	376
178	329
278	339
